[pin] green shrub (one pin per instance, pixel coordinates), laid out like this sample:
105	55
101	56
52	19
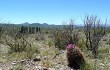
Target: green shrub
81	43
17	47
60	39
31	51
50	43
104	50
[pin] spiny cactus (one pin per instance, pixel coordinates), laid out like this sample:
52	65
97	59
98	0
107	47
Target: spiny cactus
75	57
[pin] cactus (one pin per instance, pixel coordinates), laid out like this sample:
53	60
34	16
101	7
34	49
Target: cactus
75	57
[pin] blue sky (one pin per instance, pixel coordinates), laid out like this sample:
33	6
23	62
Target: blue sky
52	11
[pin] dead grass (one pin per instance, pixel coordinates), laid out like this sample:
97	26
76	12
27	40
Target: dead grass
48	51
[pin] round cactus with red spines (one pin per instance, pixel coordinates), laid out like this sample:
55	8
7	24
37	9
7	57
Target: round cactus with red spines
75	57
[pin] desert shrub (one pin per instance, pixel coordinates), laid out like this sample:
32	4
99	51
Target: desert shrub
19	45
32	51
94	31
104	50
59	43
58	40
22	46
46	32
40	36
16	48
81	43
50	43
66	35
35	50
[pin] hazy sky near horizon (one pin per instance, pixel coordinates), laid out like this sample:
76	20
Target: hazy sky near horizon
51	11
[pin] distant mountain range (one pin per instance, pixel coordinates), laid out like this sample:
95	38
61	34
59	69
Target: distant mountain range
43	25
34	24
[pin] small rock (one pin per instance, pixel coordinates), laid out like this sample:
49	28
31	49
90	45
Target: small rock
101	64
38	57
61	69
51	69
45	57
22	61
38	67
14	63
62	51
4	57
57	66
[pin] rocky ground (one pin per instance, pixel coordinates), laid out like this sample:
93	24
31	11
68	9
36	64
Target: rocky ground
46	60
50	58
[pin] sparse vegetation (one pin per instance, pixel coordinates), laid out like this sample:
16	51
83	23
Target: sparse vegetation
66	35
94	31
28	47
